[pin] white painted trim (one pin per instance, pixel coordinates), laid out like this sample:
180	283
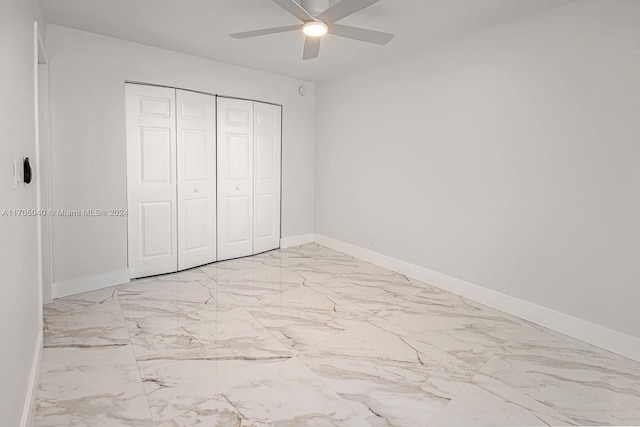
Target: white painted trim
582	330
29	408
42	139
302	239
90	283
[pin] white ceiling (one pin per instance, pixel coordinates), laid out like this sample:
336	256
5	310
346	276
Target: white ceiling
201	28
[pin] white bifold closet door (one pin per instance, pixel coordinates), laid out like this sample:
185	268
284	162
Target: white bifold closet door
249	141
171	175
235	178
151	177
196	132
266	182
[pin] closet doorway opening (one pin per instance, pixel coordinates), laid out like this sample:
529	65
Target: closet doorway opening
203	178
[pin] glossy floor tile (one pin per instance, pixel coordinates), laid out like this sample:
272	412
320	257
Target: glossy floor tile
308	336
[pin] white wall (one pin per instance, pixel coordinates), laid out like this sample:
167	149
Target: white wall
87	75
509	159
19	305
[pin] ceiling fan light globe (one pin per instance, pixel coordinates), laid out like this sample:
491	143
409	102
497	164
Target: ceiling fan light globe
315	28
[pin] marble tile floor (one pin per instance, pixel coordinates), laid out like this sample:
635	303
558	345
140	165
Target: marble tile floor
308	336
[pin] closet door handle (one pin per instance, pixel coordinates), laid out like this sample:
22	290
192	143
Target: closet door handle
196	190
238	188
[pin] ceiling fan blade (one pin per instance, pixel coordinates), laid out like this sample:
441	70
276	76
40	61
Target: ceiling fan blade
295	9
311	47
264	32
344	9
355	33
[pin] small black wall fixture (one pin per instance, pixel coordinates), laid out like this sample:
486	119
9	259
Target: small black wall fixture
27	171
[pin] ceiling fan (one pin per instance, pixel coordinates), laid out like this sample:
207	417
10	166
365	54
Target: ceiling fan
314	27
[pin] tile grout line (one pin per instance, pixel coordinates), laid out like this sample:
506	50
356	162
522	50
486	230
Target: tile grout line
81	359
135	359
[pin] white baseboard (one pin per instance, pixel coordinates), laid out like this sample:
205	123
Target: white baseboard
617	342
29	408
303	239
99	281
89	283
